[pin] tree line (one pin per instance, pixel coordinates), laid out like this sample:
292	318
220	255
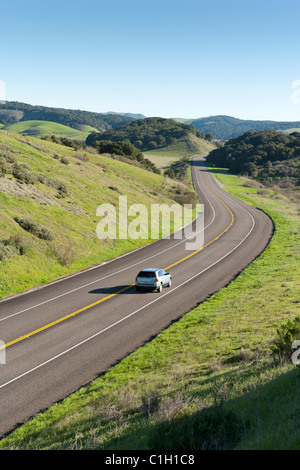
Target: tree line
262	155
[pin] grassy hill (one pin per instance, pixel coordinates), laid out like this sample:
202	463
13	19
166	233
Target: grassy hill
213	382
12	112
227	127
43	128
48	199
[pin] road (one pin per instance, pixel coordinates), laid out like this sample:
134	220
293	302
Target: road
62	336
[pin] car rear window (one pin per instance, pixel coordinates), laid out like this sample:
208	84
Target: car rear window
146	274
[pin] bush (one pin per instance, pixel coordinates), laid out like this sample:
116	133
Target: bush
287	333
65	160
23	174
62	190
3	166
170	173
66	253
81	156
35	228
6	250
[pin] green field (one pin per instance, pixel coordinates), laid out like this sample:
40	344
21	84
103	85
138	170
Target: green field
207	381
43	128
294	129
60	189
163	157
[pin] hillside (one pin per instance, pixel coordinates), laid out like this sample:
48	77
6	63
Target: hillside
227	127
44	128
48	199
165	157
152	133
268	156
12	112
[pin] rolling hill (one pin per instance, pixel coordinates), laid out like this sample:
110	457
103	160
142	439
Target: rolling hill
153	133
43	128
227	127
13	112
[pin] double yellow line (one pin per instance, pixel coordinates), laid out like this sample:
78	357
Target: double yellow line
73	314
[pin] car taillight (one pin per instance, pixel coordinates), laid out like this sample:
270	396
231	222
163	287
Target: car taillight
156	279
136	278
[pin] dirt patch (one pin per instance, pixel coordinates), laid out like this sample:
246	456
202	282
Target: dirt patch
28	191
12	187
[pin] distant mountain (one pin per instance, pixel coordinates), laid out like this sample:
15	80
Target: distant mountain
227	127
150	133
132	115
13	112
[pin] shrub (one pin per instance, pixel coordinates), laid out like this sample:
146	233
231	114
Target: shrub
23	174
3	166
287	333
170	173
62	190
187	197
35	228
81	156
65	160
65	253
20	243
6	250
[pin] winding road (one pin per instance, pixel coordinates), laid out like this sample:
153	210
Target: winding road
60	337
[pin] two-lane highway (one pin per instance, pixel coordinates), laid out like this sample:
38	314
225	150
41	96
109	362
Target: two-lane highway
60	337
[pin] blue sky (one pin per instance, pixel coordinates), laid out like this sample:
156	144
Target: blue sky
169	58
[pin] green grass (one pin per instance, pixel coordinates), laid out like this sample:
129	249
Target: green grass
210	375
163	157
294	129
72	219
43	128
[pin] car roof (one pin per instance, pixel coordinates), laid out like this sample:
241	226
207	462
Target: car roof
150	269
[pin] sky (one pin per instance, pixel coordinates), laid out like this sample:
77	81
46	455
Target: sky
168	58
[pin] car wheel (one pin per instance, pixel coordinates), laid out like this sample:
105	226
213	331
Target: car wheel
137	289
170	283
160	287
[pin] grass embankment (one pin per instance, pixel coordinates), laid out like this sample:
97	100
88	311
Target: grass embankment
59	190
42	128
207	381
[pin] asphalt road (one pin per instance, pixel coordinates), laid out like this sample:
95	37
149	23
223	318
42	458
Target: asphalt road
63	335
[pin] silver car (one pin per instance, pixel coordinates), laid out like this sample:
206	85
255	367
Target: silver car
153	278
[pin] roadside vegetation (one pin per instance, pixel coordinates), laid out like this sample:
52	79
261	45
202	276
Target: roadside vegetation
215	379
49	194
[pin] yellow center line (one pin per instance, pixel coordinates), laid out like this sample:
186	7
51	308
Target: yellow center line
73	314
